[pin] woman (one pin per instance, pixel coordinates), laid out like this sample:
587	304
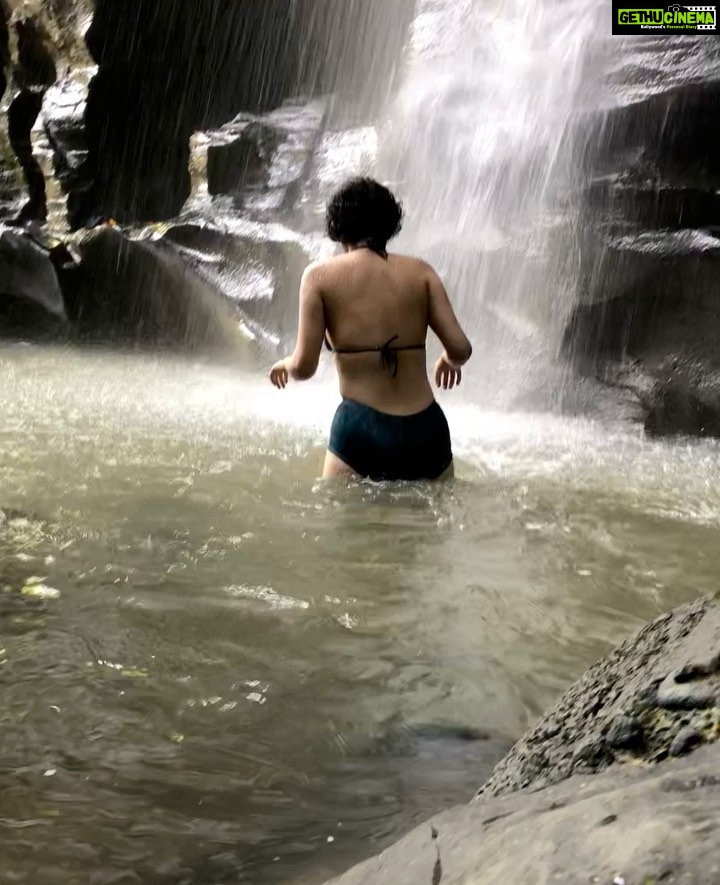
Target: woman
373	310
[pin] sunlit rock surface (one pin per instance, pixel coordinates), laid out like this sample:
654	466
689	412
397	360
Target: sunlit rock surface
256	267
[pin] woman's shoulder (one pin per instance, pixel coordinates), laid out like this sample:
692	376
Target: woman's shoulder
412	264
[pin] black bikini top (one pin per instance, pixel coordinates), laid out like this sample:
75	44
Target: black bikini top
388	353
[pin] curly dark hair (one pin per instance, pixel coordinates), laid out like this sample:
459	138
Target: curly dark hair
364	211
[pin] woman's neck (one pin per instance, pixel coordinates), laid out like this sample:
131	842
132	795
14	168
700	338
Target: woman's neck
369	244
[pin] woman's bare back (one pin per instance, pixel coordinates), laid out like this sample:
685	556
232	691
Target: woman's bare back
369	300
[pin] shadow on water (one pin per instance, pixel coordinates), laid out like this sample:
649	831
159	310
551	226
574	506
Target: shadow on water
384	785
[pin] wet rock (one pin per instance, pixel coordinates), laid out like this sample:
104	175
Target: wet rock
621	826
590	794
61	24
29	285
34	72
673	128
168	68
239	155
685	741
257	267
650	260
625	684
264	161
63	120
653	204
137	290
659	325
677	406
625	733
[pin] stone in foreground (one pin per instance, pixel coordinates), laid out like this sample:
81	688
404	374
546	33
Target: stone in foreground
594	793
637	825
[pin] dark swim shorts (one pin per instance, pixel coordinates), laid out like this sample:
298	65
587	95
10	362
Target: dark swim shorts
391	447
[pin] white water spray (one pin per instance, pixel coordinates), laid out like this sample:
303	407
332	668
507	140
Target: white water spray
482	150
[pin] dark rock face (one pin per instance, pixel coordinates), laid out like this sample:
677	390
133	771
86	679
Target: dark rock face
591	794
170	67
30	294
683	404
120	149
262	160
239	156
34	72
651	242
139	291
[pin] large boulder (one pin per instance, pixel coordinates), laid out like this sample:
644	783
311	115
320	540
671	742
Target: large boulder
256	267
633	827
628	708
30	294
264	161
598	790
137	290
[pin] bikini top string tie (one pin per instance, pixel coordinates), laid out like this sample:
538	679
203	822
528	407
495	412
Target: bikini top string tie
389	356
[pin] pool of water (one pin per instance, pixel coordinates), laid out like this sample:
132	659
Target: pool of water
246	675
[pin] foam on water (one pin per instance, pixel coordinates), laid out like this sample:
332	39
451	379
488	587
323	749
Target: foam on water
105	393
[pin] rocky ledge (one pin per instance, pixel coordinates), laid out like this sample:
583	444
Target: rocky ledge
646	318
619	784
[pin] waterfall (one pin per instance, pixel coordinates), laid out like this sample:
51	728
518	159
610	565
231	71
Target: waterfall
482	148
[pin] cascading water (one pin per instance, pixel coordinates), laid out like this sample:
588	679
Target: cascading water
257	677
482	149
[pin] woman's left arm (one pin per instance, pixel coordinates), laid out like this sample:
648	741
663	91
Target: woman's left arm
303	363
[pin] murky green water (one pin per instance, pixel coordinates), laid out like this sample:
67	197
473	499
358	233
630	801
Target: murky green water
244	673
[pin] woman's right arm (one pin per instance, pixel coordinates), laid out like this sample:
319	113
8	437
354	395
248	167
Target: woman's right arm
445	324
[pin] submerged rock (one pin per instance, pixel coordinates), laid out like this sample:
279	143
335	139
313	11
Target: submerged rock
407	770
589	794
